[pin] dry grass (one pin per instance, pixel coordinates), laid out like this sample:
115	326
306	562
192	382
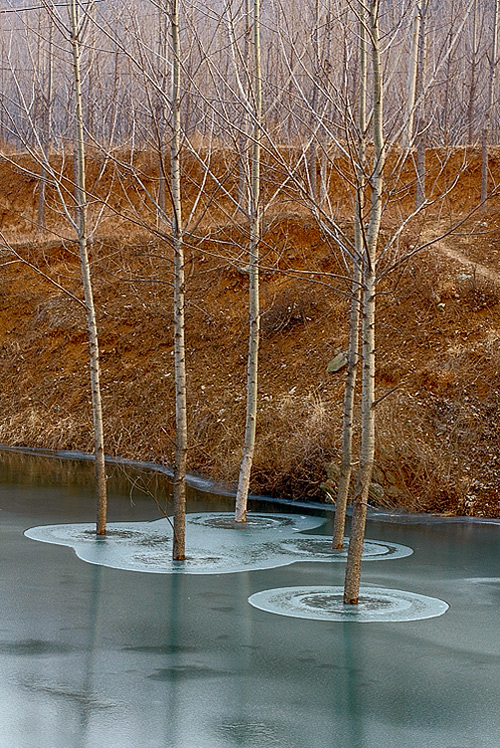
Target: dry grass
437	341
479	292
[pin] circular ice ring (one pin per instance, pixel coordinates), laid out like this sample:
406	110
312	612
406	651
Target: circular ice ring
225	521
376	604
321	549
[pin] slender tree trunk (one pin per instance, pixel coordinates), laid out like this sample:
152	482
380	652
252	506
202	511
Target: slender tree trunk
162	115
348	412
353	569
47	136
408	131
449	76
327	70
179	545
254	305
313	148
421	125
420	168
367	451
473	78
181	431
489	106
81	215
312	161
243	136
352	364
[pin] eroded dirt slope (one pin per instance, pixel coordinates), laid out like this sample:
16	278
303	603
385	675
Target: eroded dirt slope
438	352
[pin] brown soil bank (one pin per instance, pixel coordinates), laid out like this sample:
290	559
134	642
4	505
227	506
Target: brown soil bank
438	353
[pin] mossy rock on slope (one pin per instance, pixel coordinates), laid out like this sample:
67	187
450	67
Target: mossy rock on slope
337	363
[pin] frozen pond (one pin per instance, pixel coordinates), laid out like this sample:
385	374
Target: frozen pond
94	656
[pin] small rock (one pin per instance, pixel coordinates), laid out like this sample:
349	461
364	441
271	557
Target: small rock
337	363
376	492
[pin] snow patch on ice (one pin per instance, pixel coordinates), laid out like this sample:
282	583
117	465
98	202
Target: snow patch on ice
326	604
215	543
320	549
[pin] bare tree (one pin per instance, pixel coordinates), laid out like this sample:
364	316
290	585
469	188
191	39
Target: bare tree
47	127
75	28
253	255
179	302
493	54
360	161
411	100
421	135
75	210
317	104
474	62
369	15
355	311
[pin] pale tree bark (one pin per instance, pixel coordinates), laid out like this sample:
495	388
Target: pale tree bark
489	104
181	442
169	14
179	546
243	197
326	66
447	79
421	124
254	304
354	318
47	132
83	245
317	161
414	101
408	131
474	63
370	12
313	148
348	411
161	123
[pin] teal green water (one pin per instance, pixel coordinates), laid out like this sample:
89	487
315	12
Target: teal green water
93	656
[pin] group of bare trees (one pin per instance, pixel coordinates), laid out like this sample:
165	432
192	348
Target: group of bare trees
437	68
268	102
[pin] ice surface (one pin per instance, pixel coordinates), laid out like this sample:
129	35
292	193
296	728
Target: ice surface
320	549
326	604
215	544
92	656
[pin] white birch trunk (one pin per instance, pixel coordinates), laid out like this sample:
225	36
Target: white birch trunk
489	106
367	451
353	568
243	196
162	116
473	77
421	124
254	305
408	132
313	148
421	172
179	545
326	64
81	215
352	364
48	128
348	413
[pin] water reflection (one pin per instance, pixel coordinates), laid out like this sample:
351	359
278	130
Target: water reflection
88	706
352	657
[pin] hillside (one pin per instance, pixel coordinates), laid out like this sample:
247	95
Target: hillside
438	349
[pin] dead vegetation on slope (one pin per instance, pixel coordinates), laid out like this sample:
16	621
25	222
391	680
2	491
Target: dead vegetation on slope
438	354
